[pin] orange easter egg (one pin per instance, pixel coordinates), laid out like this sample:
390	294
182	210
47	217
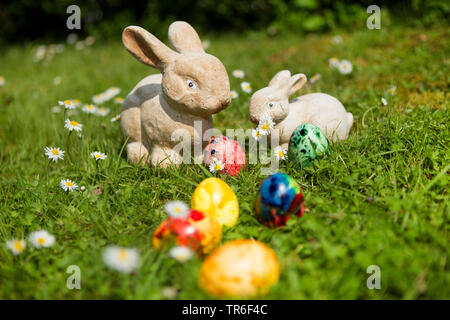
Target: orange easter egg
240	268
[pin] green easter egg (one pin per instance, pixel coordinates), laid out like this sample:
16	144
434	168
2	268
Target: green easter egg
306	144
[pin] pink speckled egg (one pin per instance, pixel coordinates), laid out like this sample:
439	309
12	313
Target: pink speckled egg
228	152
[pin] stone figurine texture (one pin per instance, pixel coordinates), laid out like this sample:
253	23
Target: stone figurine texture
192	86
320	109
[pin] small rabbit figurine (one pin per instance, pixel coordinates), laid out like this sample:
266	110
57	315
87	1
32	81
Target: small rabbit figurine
320	109
192	86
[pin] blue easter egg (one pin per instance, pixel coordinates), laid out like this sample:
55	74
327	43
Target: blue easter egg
278	198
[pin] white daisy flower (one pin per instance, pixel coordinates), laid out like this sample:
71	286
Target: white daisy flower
41	239
68	104
272	31
206	44
2	81
79	45
116	118
68	185
89	41
118	100
233	94
111	92
73	125
59	48
72	38
56	81
336	39
238	74
72	112
98	98
54	153
383	101
89	108
51	49
266	125
216	165
280	153
169	292
333	62
176	209
121	259
102	111
98	155
16	246
392	90
107	95
256	134
40	53
345	67
76	102
314	78
246	87
181	253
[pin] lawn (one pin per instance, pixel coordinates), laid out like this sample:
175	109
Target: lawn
380	198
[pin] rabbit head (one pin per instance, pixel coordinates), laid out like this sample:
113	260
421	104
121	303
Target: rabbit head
273	101
192	80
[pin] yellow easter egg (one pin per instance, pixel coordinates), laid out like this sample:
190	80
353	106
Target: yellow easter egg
215	198
240	268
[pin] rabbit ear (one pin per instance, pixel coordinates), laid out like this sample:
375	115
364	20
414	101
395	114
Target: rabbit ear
147	48
297	81
280	79
184	38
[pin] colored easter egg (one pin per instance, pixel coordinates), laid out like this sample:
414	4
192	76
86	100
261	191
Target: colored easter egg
279	197
197	231
307	142
215	198
240	268
228	151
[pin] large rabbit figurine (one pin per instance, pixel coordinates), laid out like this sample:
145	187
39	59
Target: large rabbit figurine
192	86
320	109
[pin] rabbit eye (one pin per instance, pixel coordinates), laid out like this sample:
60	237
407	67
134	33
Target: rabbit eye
270	104
191	84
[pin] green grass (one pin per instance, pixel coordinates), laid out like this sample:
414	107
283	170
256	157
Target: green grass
380	198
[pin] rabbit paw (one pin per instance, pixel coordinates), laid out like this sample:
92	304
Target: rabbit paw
137	153
164	157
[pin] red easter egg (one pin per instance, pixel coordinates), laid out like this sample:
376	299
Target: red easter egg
228	151
197	231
